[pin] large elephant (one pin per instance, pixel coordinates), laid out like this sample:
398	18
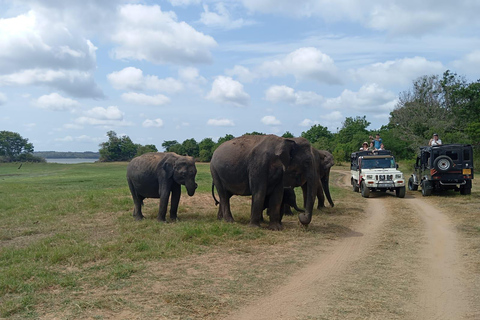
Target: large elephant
261	166
325	162
157	175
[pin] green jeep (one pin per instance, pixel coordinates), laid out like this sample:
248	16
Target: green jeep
444	167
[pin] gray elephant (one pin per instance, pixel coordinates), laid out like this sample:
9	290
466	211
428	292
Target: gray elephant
261	166
325	162
157	175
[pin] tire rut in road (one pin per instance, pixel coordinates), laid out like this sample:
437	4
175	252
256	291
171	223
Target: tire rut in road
441	290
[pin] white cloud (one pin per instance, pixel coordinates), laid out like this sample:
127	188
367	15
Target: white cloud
55	102
39	50
227	90
105	117
288	95
3	99
147	33
395	16
143	99
305	64
183	2
222	18
271	121
370	98
131	78
470	63
308	123
156	123
242	73
397	72
220	122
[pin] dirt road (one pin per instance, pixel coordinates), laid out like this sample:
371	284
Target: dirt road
393	265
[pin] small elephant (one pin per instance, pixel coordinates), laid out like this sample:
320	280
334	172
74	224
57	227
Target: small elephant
157	175
289	200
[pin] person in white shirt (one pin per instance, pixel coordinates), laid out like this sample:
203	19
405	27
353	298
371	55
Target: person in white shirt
435	141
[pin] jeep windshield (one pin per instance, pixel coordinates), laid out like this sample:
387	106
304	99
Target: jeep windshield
378	163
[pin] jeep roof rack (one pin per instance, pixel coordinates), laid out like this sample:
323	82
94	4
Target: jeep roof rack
371	153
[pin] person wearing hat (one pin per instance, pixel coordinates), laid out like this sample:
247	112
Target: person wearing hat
364	146
435	141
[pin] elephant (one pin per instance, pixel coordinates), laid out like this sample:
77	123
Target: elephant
261	166
325	162
157	175
289	200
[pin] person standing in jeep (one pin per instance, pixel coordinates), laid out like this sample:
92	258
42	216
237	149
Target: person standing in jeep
435	141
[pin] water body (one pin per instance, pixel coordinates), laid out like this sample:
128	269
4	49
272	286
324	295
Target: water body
71	160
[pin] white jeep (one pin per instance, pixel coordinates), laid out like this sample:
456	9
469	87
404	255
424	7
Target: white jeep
376	171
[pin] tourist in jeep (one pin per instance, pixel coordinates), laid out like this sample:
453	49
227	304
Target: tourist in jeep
435	141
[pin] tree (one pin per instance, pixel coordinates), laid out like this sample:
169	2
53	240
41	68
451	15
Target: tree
191	148
423	110
168	144
145	149
13	146
350	137
288	134
117	148
223	139
206	147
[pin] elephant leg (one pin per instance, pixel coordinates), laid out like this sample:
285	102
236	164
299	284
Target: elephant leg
137	202
275	210
258	204
286	210
174	200
162	209
320	196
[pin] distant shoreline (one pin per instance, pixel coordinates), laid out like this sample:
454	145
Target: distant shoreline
67	155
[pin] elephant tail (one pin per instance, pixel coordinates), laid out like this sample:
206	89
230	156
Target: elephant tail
213	195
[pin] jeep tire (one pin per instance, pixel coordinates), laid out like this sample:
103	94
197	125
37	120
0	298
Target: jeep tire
411	185
443	163
426	188
400	192
365	190
355	186
466	189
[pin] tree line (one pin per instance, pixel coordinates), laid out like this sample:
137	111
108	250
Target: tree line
448	105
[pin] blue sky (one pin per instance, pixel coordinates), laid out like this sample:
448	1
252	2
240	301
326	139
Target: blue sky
173	70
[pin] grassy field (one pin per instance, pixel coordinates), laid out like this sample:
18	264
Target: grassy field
70	248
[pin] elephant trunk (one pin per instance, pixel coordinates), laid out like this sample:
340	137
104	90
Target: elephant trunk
306	218
191	187
326	189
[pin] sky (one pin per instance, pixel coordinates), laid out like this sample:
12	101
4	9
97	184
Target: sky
70	71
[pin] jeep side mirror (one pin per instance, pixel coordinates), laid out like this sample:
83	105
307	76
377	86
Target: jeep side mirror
396	165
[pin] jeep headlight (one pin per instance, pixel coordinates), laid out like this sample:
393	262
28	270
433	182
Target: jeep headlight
398	176
369	176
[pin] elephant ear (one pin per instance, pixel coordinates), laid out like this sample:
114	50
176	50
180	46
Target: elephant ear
168	167
286	151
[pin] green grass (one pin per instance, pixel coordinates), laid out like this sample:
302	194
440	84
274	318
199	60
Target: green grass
67	227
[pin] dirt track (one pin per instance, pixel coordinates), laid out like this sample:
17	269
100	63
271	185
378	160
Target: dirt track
435	289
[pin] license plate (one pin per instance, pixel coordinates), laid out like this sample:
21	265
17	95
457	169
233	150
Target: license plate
385	185
467	171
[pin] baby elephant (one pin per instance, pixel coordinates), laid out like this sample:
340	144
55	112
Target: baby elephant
156	175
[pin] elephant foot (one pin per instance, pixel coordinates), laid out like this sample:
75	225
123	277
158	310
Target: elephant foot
275	226
229	219
254	224
162	220
138	217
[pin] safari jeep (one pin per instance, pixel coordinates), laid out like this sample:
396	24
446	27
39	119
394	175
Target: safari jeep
376	171
444	167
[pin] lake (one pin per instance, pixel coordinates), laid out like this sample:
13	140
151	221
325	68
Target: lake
71	160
